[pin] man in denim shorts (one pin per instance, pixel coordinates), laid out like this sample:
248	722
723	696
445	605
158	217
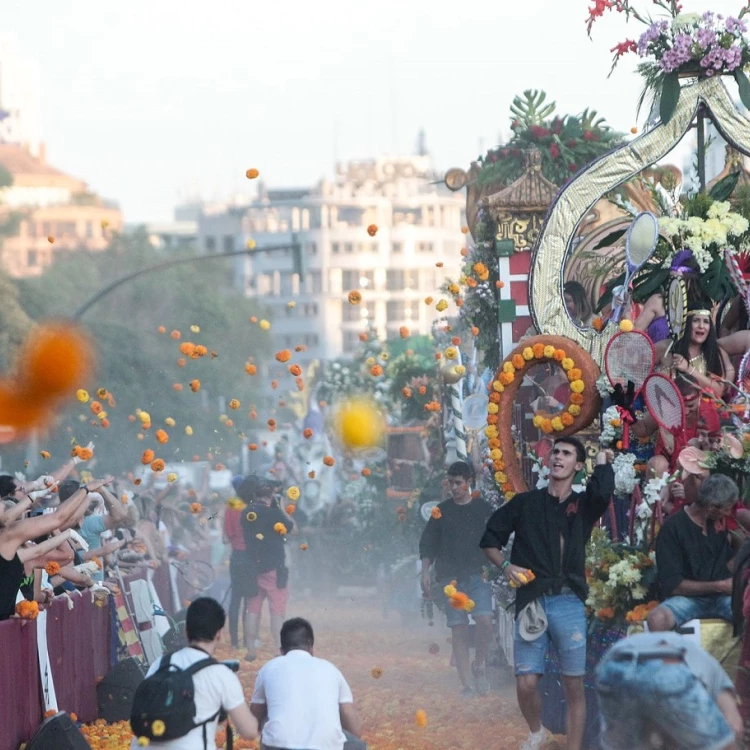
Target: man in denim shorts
552	526
693	551
451	541
663	684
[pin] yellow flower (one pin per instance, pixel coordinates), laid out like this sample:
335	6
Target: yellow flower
469	606
421	718
441	305
293	493
451	352
169	422
250	244
491	431
492	408
264	324
549	351
501	477
158	728
235	504
496	454
508	367
143	741
509	495
82	395
144	416
195	329
537	421
44	454
460	370
498	386
171	477
626	325
188	430
577	386
252	516
557	424
234	403
259	537
574	409
279	528
101	416
528	354
567	364
449	590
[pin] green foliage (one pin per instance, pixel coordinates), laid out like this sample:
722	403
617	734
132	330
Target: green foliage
6	178
566	142
139	366
14	322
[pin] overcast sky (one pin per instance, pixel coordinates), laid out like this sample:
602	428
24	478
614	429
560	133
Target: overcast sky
153	100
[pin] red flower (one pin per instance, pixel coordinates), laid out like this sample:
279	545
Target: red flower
590	135
573	168
624	47
554	151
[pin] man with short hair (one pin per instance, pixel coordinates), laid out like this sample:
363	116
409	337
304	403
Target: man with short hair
304	702
693	558
451	541
216	687
552	527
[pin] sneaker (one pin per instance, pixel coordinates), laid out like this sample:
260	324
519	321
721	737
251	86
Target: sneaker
479	673
535	740
467	692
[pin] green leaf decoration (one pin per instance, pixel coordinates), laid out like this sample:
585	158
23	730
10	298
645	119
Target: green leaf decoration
670	95
724	187
744	86
649	283
610	239
716	282
530	109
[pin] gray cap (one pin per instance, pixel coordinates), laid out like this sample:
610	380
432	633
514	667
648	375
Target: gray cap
532	622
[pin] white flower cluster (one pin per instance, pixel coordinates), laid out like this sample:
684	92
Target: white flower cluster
624	573
610	434
644	512
625	477
604	385
699	235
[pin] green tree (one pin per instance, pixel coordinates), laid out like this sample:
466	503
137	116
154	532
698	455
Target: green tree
139	366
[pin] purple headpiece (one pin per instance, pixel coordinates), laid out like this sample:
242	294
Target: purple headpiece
678	263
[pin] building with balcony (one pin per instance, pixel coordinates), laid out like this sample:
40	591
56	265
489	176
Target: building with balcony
40	203
418	244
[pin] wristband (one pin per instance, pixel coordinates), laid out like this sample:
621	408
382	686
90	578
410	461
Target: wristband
504	565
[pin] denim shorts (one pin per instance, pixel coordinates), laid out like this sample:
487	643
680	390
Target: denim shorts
635	696
686	608
479	591
566	628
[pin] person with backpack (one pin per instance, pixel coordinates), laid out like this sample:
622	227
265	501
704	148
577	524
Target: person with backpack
180	702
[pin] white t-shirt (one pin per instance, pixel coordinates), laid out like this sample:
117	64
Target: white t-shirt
215	687
302	695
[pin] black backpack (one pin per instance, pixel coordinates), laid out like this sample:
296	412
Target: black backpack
164	703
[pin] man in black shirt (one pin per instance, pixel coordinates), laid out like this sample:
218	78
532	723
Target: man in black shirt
451	541
265	525
693	554
552	527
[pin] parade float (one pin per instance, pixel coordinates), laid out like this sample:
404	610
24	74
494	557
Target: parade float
560	264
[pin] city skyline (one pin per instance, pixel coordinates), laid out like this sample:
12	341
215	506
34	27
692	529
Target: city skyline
152	104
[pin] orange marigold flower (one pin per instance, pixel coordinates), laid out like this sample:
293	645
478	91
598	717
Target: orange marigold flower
271	422
290	508
157	465
598	324
606	613
363	337
284	355
376	371
493	443
187	348
300	384
175	335
559	355
329	460
576	398
162	436
355	297
422	390
436	512
518	361
372	230
195	385
376	672
234	403
251	369
177	387
95	407
406	392
228	423
495	397
303	546
471	282
456	341
421	716
161	329
252	173
279	528
403	331
200	350
366	472
474	331
253	446
295	370
147	457
44	454
311	474
181	361
307	433
195	508
538	350
52	568
574	374
492	419
567	418
458	600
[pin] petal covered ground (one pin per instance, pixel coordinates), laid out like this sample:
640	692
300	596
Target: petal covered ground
355	636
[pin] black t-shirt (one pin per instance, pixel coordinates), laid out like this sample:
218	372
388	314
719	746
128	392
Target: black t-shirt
266	553
452	540
11	575
684	552
539	520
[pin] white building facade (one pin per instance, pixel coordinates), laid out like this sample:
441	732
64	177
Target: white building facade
20	119
417	245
